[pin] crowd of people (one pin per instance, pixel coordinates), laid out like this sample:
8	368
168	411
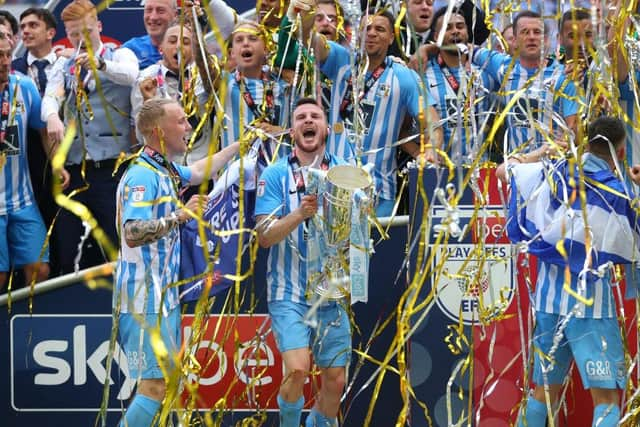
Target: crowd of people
142	125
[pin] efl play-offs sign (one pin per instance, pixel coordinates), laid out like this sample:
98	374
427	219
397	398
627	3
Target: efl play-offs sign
58	363
475	266
475	270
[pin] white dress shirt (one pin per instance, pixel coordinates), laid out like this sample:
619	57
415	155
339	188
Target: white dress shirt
121	69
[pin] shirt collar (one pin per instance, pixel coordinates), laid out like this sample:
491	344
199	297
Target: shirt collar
592	163
164	70
51	57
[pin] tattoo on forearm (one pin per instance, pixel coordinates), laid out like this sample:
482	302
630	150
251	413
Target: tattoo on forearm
143	232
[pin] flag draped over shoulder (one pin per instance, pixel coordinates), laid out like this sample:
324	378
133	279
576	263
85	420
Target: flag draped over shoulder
545	213
220	253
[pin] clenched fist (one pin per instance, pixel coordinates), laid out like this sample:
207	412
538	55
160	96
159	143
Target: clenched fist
148	88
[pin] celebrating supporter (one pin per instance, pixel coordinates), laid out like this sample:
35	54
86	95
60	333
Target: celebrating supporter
544	101
391	94
93	89
280	219
255	97
459	89
158	15
176	77
145	298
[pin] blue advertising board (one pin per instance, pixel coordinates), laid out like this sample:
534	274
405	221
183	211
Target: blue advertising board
55	363
471	281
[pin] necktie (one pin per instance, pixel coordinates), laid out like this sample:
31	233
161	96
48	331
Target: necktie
41	64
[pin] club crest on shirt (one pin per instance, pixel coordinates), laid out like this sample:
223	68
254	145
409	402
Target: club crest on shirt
383	90
137	193
260	189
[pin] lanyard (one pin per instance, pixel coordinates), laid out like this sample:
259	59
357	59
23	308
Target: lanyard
267	112
448	75
297	170
6	116
346	107
162	161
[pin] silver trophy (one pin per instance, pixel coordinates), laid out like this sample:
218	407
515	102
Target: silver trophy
346	191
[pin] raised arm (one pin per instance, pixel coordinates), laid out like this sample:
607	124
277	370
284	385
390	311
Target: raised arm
212	163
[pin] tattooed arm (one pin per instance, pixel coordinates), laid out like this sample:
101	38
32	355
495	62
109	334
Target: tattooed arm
139	232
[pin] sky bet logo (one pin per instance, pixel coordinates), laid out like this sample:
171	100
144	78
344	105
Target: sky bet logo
475	226
58	363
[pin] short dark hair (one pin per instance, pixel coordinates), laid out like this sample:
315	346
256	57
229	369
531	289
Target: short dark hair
605	130
527	14
385	13
577	14
13	22
307	100
43	14
304	101
439	14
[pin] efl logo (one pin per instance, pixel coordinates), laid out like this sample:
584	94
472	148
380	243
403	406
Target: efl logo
470	280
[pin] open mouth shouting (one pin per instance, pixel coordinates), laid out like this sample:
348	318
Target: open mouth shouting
309	133
246	54
326	32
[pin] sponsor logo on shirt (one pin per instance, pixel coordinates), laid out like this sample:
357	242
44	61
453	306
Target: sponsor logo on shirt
137	193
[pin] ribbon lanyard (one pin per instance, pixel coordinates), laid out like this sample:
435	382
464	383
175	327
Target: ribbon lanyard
267	112
4	117
346	107
448	75
162	161
8	109
296	170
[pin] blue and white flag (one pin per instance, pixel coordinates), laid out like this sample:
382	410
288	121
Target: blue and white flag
219	257
545	213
